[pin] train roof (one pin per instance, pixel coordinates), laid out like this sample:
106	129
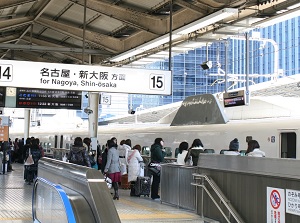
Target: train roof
272	99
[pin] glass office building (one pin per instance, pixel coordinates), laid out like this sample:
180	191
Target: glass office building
272	48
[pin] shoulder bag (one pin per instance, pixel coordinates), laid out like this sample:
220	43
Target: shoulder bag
29	161
154	168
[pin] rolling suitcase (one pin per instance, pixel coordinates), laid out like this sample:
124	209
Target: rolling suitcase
142	186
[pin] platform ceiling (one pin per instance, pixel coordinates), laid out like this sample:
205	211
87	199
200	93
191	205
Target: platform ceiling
65	31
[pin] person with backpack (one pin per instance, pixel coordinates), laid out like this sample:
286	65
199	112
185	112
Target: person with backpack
35	154
78	154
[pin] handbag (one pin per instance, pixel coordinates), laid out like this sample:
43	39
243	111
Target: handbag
108	182
154	168
142	171
29	161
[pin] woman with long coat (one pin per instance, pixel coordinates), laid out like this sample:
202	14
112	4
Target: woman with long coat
112	167
135	161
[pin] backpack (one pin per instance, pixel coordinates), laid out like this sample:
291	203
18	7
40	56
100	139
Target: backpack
77	158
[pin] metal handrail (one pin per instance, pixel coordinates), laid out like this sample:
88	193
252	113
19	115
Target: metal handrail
221	196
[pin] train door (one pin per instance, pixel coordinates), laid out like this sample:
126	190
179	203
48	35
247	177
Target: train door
288	145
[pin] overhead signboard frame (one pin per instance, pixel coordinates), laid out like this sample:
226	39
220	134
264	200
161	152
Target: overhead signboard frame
84	78
235	98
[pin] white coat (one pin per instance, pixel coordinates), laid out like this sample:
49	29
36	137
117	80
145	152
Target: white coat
181	157
257	153
123	153
134	164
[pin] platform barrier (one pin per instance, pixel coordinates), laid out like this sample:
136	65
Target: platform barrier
176	188
248	189
60	183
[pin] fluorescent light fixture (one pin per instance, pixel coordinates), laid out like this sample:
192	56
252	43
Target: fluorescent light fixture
126	55
294	6
203	22
192	44
206	21
278	18
144	47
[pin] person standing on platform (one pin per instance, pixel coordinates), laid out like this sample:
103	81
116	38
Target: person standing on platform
194	151
33	150
124	148
112	167
87	144
135	161
157	156
183	150
78	154
99	156
104	158
254	149
233	148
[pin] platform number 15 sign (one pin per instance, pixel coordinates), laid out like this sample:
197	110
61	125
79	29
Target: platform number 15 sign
157	82
6	73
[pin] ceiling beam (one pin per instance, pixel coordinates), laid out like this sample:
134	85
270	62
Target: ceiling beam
14	23
190	6
106	42
42	7
48	49
31	57
138	20
75	57
12	3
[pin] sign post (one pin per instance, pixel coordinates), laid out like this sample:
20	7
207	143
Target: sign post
275	205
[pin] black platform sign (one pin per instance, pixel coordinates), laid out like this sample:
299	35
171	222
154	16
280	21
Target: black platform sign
50	99
234	98
2	96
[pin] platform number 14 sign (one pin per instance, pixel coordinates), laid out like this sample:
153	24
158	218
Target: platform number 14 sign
6	73
157	82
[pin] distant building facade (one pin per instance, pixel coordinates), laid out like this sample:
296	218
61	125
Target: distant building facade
190	79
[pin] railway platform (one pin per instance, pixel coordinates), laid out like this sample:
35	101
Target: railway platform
16	204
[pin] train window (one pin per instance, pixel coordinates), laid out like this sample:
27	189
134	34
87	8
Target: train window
243	152
288	145
146	150
223	150
168	151
209	151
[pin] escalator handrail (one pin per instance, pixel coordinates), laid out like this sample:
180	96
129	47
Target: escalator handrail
63	196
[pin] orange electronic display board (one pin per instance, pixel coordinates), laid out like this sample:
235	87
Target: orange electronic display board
4	128
4	133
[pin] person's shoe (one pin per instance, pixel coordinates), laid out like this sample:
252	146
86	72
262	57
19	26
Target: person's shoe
116	197
156	197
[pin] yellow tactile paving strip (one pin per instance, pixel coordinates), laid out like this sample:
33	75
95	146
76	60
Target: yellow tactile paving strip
152	213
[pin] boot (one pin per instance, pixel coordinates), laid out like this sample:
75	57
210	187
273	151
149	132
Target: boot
116	189
132	189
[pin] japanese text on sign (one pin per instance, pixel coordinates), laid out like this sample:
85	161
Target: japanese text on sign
84	78
292	202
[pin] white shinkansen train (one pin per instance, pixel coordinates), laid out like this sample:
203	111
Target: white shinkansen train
278	137
273	121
